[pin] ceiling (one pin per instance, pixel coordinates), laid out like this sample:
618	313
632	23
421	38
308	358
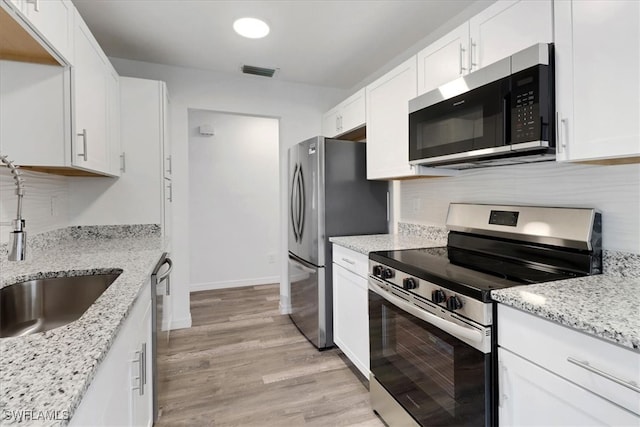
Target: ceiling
319	42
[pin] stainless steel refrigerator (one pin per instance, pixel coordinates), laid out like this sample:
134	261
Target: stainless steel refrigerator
329	195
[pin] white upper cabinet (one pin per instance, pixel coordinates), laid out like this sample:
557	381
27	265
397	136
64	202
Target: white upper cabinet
51	20
388	122
34	114
598	80
91	110
59	119
506	27
444	60
500	30
388	125
346	116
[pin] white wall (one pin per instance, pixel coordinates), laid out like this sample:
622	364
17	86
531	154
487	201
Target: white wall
42	193
299	108
614	190
234	201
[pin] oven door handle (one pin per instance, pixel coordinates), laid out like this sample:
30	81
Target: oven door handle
456	330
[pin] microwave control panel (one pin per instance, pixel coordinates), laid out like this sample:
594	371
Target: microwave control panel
525	113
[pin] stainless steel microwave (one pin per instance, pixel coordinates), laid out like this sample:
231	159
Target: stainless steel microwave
500	114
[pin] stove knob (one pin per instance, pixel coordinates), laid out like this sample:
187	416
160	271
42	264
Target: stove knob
454	303
438	296
388	273
409	283
377	270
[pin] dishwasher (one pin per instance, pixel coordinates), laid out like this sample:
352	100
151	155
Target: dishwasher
160	323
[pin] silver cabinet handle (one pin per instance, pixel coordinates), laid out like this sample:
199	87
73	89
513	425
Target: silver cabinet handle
560	122
84	144
170	165
144	364
170	198
472	64
501	395
35	3
462	50
337	123
586	365
122	163
348	261
140	360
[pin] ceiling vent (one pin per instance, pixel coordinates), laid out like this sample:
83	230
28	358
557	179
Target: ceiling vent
258	71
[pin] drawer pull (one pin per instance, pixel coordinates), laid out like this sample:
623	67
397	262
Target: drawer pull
585	365
348	261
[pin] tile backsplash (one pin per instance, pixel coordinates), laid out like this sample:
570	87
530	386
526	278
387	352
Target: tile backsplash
45	202
613	190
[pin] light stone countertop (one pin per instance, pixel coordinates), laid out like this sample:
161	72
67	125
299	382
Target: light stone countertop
604	305
383	242
51	371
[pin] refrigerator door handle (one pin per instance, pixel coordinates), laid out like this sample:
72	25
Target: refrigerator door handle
292	205
303	202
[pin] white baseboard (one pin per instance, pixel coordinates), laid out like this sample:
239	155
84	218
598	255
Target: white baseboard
285	306
234	283
183	323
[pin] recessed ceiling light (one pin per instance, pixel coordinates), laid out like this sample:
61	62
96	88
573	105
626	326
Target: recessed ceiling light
251	28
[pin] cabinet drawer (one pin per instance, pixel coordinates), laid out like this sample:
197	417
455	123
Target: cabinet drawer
351	260
587	361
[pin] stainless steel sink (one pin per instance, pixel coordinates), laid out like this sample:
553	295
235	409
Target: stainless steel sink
40	305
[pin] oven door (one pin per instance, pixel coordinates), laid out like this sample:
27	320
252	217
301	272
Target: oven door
439	379
463	126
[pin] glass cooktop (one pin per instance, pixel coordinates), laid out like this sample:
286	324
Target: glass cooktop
470	273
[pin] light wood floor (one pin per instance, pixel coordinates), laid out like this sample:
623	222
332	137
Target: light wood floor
244	364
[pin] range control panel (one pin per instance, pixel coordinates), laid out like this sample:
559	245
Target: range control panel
439	296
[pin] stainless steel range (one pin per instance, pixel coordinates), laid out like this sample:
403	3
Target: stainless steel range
431	319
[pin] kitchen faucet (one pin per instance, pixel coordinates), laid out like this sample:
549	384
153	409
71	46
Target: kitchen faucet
18	241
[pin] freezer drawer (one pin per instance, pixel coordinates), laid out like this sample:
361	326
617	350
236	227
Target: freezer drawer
309	309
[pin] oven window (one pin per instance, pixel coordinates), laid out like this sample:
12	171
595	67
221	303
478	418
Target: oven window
438	379
462	125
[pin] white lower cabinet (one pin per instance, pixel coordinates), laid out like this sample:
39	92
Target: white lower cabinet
351	307
551	375
121	392
533	396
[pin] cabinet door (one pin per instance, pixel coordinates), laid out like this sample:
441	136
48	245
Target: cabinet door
387	113
53	19
444	60
91	103
351	317
142	390
598	70
117	163
330	123
352	115
507	27
34	113
532	396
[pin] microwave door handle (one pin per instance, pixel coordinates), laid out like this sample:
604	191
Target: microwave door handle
456	330
506	119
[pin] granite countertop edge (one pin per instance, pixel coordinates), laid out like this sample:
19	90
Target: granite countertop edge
577	304
50	372
384	242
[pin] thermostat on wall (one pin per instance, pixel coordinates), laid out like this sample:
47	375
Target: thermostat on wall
206	130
